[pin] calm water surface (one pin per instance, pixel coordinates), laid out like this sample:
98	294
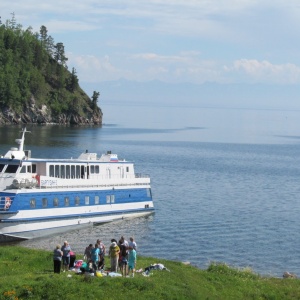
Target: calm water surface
225	183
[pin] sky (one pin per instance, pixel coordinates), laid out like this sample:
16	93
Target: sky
215	64
174	41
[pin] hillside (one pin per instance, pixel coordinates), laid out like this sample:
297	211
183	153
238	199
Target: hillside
28	274
35	83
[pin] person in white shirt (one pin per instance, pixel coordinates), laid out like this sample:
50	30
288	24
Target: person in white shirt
132	244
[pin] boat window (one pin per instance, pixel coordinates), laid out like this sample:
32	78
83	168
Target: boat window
11	168
68	173
32	203
82	171
62	172
44	202
127	169
51	171
87	200
92	169
1	167
73	173
56	171
34	168
107	198
112	199
96	199
28	169
77	171
77	200
67	201
23	169
55	201
97	170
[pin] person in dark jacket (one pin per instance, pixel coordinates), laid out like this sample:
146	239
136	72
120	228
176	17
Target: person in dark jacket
57	255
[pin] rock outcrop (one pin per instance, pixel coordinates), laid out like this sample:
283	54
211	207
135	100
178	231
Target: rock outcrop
43	115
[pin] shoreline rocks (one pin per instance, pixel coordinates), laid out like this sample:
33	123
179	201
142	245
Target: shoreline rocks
43	115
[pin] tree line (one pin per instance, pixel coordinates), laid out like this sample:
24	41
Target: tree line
33	66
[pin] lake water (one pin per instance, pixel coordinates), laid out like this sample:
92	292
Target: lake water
225	182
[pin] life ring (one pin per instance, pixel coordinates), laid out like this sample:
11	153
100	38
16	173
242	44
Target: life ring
38	178
7	203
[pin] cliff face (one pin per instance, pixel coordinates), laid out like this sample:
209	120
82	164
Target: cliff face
35	83
32	114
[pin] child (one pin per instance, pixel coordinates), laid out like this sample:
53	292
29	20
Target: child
87	267
131	261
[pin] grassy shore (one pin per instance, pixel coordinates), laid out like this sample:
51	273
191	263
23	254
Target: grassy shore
28	274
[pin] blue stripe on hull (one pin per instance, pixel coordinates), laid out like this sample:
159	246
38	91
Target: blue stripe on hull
121	196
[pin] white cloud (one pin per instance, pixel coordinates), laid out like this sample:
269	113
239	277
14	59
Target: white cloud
264	71
153	57
172	16
94	69
172	40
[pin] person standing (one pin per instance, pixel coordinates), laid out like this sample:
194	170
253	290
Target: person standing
101	246
123	259
95	257
66	249
114	251
88	252
132	243
131	261
124	242
57	254
101	254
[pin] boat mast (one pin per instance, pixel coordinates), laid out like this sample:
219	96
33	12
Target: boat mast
22	140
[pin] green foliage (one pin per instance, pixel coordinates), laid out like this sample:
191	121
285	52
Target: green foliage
28	274
222	268
33	66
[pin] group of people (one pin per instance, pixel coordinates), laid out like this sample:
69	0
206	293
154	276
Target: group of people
61	256
122	256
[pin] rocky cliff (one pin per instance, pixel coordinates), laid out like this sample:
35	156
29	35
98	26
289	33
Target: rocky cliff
32	114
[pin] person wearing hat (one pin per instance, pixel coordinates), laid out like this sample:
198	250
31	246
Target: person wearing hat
114	251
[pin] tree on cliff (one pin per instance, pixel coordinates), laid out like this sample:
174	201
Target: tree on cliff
33	72
95	99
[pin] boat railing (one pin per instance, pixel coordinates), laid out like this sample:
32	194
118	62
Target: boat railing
91	185
94	180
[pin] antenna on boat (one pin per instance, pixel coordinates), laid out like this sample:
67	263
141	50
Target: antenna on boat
21	141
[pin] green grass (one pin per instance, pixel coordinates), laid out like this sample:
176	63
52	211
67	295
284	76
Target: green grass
28	274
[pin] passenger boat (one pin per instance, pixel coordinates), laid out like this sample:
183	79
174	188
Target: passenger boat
40	197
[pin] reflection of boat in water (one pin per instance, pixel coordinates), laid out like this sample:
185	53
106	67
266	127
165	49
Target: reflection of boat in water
39	197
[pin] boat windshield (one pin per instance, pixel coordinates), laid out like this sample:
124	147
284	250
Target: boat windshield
11	169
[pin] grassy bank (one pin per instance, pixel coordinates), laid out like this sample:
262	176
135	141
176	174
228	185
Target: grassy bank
28	274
